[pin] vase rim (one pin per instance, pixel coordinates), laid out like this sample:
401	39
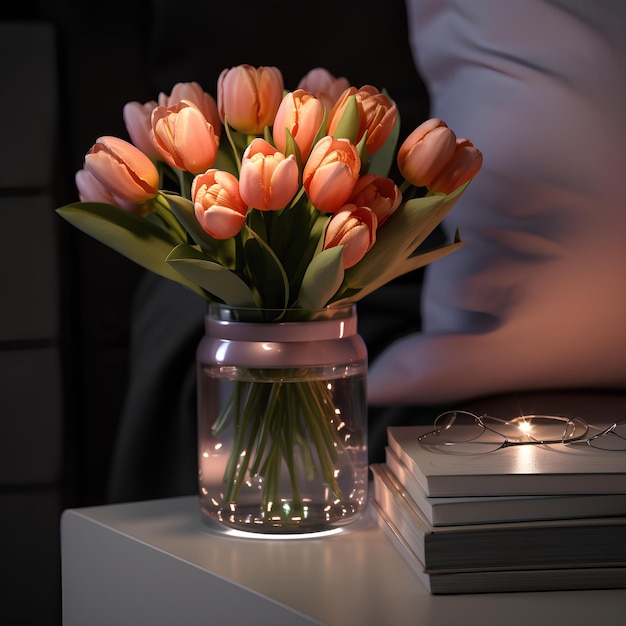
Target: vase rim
236	314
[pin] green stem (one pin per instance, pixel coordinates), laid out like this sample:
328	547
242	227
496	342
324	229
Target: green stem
162	209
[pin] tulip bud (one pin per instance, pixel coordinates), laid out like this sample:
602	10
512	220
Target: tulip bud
377	193
268	180
193	92
123	169
302	114
354	228
331	173
184	137
217	203
91	190
324	85
425	152
137	118
464	165
248	97
377	115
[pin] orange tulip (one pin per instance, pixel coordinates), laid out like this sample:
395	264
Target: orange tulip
302	114
217	203
248	97
425	152
184	137
464	165
377	193
330	173
123	169
377	115
137	118
354	228
324	85
268	180
193	92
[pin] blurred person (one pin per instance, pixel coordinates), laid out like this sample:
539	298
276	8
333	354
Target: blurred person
536	298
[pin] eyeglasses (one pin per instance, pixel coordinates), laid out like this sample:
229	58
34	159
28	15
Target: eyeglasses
611	438
462	432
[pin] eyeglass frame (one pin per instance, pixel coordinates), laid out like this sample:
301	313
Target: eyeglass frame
506	442
603	432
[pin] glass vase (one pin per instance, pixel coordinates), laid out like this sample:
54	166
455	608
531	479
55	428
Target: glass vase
282	419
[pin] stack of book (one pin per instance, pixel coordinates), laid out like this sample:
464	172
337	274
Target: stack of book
522	518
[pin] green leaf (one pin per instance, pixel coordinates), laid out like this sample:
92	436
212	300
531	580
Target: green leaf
131	235
396	242
213	277
348	125
322	279
381	161
412	263
266	272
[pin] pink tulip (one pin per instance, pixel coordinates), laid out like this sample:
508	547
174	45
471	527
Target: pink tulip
91	190
302	114
464	165
184	138
193	92
248	97
217	203
377	115
355	228
123	169
330	173
137	118
324	85
425	152
377	193
268	180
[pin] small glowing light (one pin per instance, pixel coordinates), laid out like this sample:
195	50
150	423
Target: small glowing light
329	386
205	455
218	446
525	427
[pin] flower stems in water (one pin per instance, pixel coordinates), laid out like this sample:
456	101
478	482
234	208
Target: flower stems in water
278	423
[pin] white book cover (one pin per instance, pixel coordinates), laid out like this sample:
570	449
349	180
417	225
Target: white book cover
597	542
515	470
451	511
499	581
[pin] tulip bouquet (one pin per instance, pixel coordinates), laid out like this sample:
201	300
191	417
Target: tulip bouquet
272	199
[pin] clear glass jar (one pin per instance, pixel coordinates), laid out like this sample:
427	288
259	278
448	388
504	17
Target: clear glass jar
282	419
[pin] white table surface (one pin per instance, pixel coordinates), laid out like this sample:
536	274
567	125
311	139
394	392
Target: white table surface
155	563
